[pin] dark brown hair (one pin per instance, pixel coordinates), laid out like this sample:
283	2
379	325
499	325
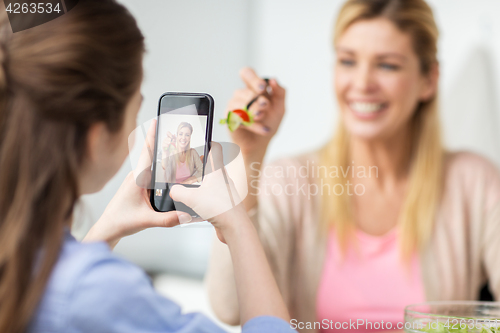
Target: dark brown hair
56	80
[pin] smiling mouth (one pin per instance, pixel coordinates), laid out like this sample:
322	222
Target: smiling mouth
367	110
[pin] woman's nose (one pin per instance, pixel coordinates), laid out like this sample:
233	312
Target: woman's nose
364	80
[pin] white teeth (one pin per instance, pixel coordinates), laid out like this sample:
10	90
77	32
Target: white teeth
365	107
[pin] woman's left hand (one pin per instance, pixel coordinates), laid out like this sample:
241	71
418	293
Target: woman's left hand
130	211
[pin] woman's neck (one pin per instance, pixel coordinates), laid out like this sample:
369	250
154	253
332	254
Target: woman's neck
391	156
182	155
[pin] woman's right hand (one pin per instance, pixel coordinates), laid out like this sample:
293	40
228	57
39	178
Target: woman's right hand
168	140
268	112
217	199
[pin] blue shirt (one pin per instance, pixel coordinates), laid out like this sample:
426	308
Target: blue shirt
91	290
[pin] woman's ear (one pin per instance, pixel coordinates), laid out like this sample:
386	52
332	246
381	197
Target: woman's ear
97	141
430	83
93	171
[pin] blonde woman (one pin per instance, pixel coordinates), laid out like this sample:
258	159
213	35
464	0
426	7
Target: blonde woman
346	244
182	164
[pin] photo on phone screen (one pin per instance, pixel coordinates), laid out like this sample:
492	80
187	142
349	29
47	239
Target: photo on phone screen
184	130
182	141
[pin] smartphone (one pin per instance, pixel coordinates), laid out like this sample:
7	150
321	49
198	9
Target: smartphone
183	137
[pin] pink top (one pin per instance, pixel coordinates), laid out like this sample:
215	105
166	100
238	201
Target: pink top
182	173
369	285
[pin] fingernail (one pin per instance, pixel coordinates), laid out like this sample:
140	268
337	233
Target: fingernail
262	86
263	103
269	90
185	218
266	129
258	113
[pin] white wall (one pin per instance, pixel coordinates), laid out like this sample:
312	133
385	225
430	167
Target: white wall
199	45
470	58
292	42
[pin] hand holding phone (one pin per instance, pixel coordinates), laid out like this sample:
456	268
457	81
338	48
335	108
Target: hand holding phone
129	211
169	140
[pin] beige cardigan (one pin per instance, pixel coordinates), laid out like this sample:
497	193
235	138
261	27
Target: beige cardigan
463	253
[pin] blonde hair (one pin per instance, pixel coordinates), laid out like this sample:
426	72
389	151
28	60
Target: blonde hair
426	162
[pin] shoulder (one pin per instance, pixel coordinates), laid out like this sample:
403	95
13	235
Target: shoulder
90	289
195	157
194	152
469	168
464	161
76	262
473	175
88	273
288	189
306	159
103	280
300	167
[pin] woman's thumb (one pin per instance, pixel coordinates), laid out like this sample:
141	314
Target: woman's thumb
167	219
181	193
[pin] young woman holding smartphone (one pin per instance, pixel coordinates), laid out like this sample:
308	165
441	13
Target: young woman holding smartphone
69	97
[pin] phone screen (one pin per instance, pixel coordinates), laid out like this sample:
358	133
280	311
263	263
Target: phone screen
182	147
182	144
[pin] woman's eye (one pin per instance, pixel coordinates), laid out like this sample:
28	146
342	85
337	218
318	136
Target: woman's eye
388	66
346	62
